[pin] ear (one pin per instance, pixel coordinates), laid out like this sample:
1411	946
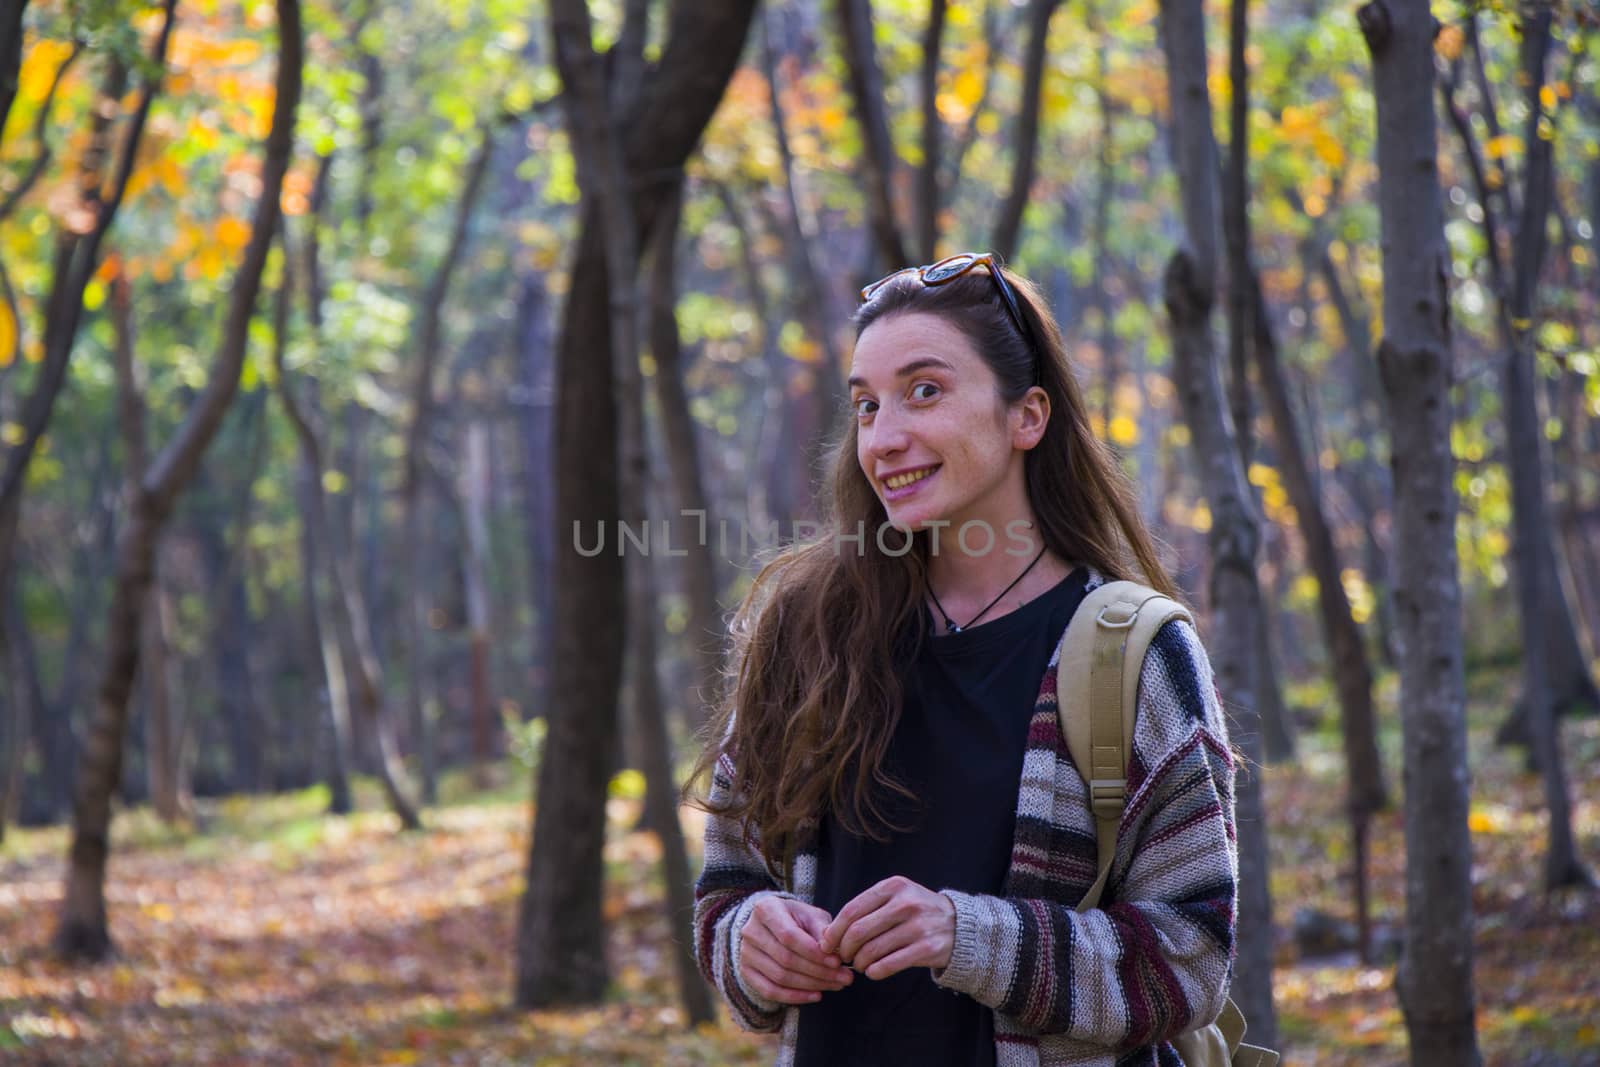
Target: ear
1029	416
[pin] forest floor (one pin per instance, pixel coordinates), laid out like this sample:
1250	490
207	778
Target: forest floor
282	936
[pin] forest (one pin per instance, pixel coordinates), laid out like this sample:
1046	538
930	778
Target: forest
397	397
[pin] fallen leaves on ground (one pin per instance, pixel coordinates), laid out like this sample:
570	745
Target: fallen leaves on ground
282	936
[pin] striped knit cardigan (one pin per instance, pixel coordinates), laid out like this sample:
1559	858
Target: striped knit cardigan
1108	987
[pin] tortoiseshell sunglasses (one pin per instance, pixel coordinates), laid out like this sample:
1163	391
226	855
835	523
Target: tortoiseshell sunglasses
952	267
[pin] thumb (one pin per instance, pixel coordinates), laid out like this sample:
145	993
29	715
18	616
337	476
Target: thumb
813	920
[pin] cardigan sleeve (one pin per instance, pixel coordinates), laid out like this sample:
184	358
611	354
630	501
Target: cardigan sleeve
1156	959
733	880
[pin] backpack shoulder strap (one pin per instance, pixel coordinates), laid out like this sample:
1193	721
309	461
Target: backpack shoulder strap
1097	693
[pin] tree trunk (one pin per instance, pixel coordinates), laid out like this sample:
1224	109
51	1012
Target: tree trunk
23	705
163	758
1236	598
932	131
430	342
1541	601
319	627
162	775
474	494
1367	793
813	305
82	932
1364	479
1434	981
1008	226
1277	743
661	794
77	259
1566	680
537	442
560	941
704	627
877	146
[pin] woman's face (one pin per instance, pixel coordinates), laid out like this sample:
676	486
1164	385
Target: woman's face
933	436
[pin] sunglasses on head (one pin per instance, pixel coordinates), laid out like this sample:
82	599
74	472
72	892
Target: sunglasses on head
959	265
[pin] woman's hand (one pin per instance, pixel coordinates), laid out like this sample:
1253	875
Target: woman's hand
892	926
779	954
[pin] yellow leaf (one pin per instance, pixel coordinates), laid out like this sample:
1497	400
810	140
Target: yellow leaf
333	481
39	68
8	335
13	433
1448	42
1328	148
1547	97
233	233
1506	143
1124	431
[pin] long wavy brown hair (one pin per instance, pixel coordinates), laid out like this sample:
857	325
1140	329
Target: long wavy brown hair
813	691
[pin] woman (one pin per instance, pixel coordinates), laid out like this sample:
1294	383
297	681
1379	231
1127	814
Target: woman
897	834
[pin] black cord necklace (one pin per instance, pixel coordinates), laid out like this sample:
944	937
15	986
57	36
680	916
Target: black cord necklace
950	624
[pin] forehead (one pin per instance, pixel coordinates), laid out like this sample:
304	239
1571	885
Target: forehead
891	343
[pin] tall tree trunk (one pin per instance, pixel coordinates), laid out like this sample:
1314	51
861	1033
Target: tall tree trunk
661	793
1236	599
877	146
474	493
1366	793
429	343
1250	333
932	131
1435	976
1100	294
1565	682
316	533
704	627
560	941
1551	678
319	627
77	258
21	705
1541	601
169	785
813	305
1277	741
1025	149
537	441
1364	479
82	932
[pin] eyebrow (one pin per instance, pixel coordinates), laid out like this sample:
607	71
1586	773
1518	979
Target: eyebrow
906	371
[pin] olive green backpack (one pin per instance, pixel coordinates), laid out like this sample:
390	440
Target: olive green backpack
1106	643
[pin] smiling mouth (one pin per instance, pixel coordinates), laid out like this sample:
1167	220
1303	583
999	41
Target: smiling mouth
900	481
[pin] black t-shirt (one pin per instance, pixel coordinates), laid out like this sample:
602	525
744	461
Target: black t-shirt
963	731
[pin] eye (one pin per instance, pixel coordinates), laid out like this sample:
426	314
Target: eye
864	406
918	394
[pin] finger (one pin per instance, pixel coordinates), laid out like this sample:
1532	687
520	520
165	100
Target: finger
765	987
902	959
798	941
870	926
867	901
811	919
794	950
776	971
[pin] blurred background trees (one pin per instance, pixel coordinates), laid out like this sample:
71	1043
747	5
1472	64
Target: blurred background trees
541	268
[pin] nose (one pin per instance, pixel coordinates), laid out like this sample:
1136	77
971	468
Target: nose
885	437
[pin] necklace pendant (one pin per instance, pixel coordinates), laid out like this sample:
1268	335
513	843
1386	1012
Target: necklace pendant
951	626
